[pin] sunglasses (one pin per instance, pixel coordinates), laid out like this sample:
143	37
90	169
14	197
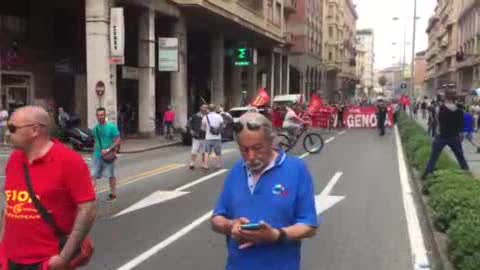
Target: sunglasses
238	126
12	128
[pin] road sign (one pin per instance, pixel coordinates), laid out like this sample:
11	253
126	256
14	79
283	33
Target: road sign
243	56
403	85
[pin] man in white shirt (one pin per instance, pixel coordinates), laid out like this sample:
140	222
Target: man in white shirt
292	122
3	125
212	123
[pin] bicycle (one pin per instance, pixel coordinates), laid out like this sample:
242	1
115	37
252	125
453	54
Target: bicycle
312	142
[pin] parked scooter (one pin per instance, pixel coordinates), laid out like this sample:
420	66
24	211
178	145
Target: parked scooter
80	138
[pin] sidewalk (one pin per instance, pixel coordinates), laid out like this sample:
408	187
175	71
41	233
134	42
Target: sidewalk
139	145
470	152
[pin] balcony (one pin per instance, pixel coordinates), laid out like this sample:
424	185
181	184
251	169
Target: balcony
290	6
289	38
242	12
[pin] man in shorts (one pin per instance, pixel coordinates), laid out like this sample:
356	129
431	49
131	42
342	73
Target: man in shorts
198	135
212	124
107	140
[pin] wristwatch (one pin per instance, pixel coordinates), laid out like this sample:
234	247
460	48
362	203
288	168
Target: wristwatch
282	237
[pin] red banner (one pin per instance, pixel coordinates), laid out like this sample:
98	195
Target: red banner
261	99
315	104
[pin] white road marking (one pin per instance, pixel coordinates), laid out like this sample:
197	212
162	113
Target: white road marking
342	132
417	245
331	200
329	140
324	200
203	179
304	155
165	243
154	198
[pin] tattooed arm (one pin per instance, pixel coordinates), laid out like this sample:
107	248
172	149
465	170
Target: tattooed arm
83	223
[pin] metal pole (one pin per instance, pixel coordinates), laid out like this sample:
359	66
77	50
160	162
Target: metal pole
413	47
404	52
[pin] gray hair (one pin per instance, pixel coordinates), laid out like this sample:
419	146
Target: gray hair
260	120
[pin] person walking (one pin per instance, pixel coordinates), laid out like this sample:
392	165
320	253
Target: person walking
63	118
468	127
168	119
381	116
267	205
107	142
3	126
44	178
423	107
212	124
432	122
450	120
340	113
198	135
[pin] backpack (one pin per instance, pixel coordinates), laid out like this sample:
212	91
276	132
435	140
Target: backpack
196	127
213	130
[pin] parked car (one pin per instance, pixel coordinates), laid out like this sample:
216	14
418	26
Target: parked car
237	112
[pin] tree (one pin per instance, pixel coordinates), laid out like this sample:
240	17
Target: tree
382	81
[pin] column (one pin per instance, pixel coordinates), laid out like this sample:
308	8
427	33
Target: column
323	80
236	90
217	67
272	76
146	63
280	74
178	90
98	61
287	87
252	82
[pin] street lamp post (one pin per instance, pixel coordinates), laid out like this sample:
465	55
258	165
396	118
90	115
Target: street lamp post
413	47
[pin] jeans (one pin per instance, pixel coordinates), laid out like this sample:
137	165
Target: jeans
102	168
439	143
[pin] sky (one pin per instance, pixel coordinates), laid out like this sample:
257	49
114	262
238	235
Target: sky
378	15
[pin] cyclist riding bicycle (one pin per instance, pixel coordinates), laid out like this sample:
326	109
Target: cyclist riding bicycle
292	122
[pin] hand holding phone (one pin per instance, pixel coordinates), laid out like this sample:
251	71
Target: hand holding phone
252	226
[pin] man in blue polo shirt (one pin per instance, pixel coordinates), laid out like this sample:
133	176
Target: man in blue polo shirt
269	188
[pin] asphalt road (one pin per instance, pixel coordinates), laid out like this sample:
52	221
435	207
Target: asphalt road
366	229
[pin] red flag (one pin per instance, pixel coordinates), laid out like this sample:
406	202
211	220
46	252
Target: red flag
261	99
315	104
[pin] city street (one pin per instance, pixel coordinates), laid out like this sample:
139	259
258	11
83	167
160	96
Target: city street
360	194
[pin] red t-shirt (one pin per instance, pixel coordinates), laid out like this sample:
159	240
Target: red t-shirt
61	179
169	116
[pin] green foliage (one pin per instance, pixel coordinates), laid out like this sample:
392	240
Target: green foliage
454	196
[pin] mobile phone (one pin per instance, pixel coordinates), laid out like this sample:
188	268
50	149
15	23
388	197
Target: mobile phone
252	226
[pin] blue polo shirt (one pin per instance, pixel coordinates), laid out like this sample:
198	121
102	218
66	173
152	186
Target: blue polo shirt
283	196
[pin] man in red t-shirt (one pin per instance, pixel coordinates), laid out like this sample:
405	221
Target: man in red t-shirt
168	119
61	181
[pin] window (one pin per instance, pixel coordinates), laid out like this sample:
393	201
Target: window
330	32
330	56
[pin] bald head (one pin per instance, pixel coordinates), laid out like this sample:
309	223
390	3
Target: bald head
32	115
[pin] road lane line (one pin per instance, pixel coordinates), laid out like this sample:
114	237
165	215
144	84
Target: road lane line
203	179
304	155
185	230
142	176
329	140
342	132
165	243
417	245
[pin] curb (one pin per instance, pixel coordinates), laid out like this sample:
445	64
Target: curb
439	239
142	150
440	258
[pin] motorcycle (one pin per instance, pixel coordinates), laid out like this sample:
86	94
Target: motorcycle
80	138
